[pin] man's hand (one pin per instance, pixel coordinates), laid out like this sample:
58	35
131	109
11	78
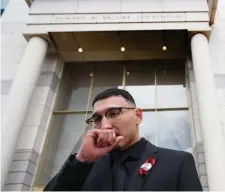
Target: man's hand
96	144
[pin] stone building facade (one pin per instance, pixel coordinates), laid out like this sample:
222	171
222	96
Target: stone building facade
57	55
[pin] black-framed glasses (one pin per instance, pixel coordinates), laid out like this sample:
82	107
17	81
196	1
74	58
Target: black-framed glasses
112	115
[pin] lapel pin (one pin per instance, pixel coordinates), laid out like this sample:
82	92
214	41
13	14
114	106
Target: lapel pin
147	166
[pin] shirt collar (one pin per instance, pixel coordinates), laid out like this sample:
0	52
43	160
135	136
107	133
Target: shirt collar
133	151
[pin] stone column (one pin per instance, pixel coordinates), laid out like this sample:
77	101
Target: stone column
209	113
19	99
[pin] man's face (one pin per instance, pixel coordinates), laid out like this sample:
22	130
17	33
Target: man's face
125	124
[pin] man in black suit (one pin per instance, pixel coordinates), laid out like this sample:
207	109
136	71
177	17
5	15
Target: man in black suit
112	154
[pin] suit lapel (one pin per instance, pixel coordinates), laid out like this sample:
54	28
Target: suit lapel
100	178
119	174
106	165
138	180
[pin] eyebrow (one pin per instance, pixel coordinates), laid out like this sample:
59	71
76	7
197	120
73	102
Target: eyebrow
96	114
107	109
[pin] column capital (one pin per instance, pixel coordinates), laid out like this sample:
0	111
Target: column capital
41	37
204	33
199	35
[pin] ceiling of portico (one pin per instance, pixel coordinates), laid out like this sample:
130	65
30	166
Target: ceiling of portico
106	46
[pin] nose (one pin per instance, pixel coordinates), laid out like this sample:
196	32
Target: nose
106	124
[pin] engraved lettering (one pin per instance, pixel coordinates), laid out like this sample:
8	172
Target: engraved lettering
119	18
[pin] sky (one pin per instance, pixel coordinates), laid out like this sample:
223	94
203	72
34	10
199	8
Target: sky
4	3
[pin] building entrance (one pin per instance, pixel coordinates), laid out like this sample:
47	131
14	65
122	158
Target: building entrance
158	87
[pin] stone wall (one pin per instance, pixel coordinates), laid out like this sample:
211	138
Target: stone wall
34	130
196	130
217	50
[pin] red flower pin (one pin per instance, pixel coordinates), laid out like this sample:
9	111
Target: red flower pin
147	166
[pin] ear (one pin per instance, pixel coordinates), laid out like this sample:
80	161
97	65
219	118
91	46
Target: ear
139	116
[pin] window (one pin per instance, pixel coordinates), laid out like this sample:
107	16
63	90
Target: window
159	89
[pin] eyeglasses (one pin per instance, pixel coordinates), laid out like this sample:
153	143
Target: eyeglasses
112	115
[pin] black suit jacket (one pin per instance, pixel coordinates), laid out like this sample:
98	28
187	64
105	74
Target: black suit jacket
172	171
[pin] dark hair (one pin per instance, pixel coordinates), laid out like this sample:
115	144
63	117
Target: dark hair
113	92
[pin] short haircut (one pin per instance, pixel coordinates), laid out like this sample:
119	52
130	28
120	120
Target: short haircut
113	92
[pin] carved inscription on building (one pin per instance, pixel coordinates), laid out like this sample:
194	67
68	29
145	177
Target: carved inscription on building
75	18
120	18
